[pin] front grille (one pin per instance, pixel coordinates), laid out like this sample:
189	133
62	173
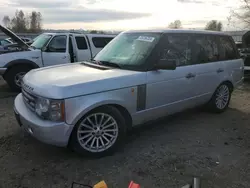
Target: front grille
29	100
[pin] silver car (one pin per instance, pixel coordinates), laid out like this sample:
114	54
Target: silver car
139	76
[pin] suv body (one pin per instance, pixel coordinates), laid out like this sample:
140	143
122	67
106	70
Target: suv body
46	50
139	76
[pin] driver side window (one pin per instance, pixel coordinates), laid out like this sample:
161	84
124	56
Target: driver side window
58	44
177	49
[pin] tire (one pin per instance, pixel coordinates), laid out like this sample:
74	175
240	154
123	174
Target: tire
220	99
84	148
13	74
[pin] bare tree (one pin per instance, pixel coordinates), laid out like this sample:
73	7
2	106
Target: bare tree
39	21
6	21
175	25
33	21
24	22
93	31
18	22
214	25
242	14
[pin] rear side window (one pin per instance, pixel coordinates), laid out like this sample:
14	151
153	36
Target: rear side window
81	43
205	49
227	49
100	42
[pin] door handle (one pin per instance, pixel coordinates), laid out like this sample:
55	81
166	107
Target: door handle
64	57
190	75
220	70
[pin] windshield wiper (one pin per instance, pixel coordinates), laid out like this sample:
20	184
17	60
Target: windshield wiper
107	63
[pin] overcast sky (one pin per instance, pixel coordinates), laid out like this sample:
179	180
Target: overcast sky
122	14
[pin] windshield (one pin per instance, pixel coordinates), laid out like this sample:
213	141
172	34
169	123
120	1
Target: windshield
128	49
41	41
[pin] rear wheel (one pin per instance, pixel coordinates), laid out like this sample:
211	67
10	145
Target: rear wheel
15	75
99	133
221	98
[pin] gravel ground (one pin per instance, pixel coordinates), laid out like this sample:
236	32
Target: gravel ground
166	153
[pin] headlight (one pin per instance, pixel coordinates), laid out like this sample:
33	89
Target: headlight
50	109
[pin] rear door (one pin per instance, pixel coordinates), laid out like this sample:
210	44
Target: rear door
206	66
83	50
233	65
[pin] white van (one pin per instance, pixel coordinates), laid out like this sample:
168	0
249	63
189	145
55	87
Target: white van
139	76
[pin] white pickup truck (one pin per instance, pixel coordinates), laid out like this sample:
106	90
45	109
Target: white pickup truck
46	50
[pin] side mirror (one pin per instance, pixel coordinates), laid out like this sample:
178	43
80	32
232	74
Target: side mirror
166	64
44	49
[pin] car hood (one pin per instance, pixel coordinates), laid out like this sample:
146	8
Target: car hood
14	37
65	81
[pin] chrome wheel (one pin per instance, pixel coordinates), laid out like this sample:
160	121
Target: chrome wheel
97	132
18	78
222	97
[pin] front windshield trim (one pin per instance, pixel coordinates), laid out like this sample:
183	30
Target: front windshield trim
37	45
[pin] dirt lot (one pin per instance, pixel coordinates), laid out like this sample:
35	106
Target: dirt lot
164	154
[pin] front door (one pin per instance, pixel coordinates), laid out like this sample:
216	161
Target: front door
56	51
170	91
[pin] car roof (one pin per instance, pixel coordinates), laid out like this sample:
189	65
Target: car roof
101	35
191	31
89	34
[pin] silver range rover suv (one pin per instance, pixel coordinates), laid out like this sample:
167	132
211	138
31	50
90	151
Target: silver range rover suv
139	76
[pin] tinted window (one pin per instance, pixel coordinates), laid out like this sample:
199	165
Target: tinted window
205	49
178	49
227	49
58	44
100	42
81	43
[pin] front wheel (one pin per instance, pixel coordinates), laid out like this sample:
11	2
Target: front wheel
15	75
99	133
221	98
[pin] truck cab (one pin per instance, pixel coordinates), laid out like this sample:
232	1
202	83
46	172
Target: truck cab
48	49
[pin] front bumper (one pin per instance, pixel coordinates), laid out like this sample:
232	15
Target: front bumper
2	71
45	131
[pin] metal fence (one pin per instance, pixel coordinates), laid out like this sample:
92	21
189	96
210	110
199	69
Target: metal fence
28	35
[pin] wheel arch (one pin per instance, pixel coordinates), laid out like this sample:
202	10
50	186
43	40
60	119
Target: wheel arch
229	83
123	110
19	62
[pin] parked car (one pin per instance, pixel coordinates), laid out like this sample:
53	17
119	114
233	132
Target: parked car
24	39
245	55
138	77
9	40
47	49
4	42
